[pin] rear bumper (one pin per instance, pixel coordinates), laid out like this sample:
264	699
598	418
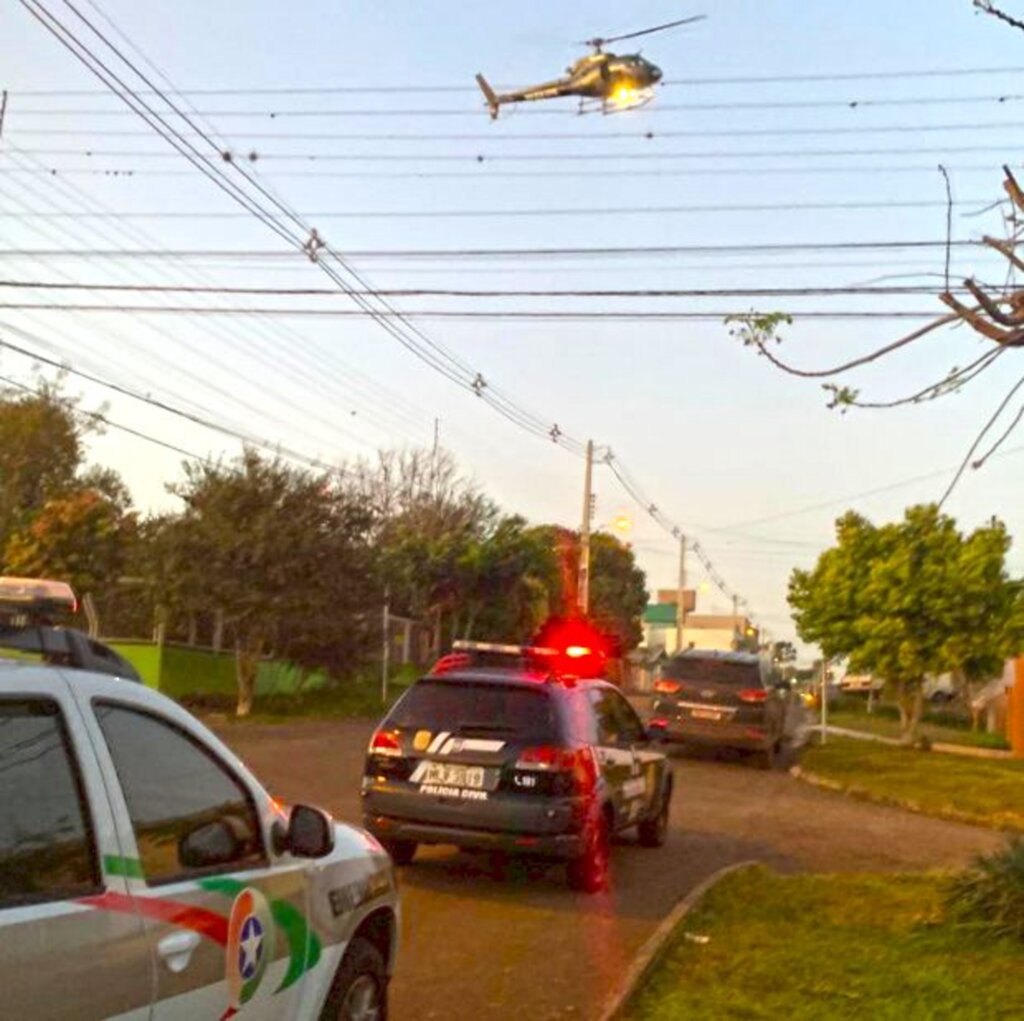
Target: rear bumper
563	845
551	827
720	735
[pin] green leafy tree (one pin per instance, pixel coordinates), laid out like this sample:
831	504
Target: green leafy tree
902	601
282	553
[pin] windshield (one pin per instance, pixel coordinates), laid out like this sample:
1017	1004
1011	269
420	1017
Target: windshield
476	707
705	669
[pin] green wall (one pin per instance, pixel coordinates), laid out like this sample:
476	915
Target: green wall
178	670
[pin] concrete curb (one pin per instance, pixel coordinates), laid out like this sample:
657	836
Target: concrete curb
650	953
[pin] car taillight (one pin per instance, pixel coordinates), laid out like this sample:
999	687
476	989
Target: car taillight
657	723
546	758
385	742
668	687
576	767
753	695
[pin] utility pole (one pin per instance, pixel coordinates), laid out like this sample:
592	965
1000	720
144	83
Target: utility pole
824	699
3	110
681	598
735	621
386	648
583	585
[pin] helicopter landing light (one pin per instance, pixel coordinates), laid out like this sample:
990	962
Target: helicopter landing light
626	96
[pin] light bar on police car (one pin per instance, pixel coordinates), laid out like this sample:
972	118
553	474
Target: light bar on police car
37	594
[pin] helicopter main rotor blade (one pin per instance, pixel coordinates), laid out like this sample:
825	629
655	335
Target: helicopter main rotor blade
645	31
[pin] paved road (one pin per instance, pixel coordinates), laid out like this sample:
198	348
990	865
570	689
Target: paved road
476	945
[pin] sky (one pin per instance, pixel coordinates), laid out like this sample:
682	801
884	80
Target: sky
780	123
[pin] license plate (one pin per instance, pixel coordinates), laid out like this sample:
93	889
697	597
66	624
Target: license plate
444	774
705	714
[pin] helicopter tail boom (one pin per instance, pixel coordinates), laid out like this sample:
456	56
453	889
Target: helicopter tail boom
490	95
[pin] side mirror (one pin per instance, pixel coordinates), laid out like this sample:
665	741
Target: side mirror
310	832
215	843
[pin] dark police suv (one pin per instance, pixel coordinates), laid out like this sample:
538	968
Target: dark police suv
516	750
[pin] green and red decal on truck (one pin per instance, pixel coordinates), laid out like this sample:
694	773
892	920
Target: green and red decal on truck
247	932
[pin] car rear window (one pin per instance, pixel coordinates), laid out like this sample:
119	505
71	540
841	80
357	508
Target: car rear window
706	669
476	707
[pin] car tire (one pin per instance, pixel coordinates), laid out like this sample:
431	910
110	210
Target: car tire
653	831
402	851
359	991
589	872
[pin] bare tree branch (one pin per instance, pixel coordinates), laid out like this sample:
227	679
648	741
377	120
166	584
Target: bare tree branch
1002	439
1009	338
989	8
1004	248
977	442
990	306
753	335
955	381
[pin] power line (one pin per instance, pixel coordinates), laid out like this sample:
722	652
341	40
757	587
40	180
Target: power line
486	174
420	292
480	158
249	440
649	134
596	251
851	104
95	416
488	314
594	211
426	87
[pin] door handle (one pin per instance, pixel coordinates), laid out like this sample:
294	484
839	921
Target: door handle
176	949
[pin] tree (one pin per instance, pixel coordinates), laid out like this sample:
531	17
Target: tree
80	537
783	652
58	518
902	601
282	553
41	452
618	588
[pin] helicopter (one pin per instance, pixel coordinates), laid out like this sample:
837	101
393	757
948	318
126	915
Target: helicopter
600	79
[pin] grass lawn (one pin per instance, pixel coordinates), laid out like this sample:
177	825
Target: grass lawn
984	791
813	947
885	725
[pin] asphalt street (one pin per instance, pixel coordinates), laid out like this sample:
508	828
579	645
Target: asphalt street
476	944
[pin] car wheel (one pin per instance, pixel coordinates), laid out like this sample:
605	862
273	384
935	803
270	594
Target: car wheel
653	831
589	872
359	991
402	851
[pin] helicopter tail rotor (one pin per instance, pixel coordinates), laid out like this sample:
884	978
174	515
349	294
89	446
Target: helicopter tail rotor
490	95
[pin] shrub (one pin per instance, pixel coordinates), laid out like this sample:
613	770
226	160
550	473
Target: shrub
990	895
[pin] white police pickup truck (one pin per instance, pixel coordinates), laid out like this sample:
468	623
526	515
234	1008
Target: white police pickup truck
145	873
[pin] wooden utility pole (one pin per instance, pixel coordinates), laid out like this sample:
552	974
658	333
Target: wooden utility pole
583	586
681	597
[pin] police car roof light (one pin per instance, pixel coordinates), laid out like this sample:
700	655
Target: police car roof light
39	594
